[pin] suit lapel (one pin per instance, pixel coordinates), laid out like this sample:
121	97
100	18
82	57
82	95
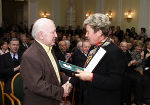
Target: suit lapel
9	58
50	66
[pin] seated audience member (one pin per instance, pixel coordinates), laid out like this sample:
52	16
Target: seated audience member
133	32
63	54
10	63
136	73
23	44
143	33
132	79
79	56
119	33
130	47
79	46
116	41
146	74
68	46
4	47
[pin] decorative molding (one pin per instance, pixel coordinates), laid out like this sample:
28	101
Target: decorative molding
100	6
144	16
32	12
71	14
56	12
83	11
119	21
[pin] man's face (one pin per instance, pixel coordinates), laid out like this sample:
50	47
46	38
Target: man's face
14	46
91	35
86	47
24	39
124	47
49	36
80	47
63	46
129	46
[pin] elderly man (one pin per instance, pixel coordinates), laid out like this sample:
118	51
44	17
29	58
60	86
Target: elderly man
104	78
62	53
41	76
80	55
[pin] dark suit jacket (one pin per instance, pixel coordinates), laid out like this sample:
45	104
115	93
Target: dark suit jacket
60	56
41	86
7	67
78	58
22	48
107	78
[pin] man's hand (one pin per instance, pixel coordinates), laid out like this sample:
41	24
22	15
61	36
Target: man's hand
84	75
17	68
68	56
67	88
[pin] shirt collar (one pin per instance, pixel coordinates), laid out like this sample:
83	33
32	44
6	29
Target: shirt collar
12	54
103	40
46	48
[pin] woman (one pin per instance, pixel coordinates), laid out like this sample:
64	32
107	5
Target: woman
4	47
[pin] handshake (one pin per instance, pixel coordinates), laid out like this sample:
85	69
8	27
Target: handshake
67	88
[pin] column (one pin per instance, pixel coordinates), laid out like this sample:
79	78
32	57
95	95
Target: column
56	12
0	13
32	12
83	11
119	15
71	14
100	6
144	16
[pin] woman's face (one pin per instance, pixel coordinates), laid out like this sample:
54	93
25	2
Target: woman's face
92	36
5	46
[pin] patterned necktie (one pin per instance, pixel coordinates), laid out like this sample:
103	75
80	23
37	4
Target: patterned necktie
14	57
91	54
15	61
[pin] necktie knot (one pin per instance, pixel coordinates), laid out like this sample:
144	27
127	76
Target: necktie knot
13	55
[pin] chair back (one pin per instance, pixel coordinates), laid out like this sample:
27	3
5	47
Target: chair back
17	86
1	94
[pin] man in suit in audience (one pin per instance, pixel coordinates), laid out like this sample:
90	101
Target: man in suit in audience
10	63
62	54
23	43
78	58
80	55
42	80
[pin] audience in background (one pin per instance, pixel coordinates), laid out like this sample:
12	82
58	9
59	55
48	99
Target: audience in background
69	47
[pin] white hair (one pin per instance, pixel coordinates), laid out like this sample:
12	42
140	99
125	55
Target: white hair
68	42
39	25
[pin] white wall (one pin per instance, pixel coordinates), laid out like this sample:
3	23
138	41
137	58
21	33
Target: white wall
144	16
32	12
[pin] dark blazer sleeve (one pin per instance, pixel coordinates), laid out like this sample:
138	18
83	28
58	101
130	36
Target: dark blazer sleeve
34	77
